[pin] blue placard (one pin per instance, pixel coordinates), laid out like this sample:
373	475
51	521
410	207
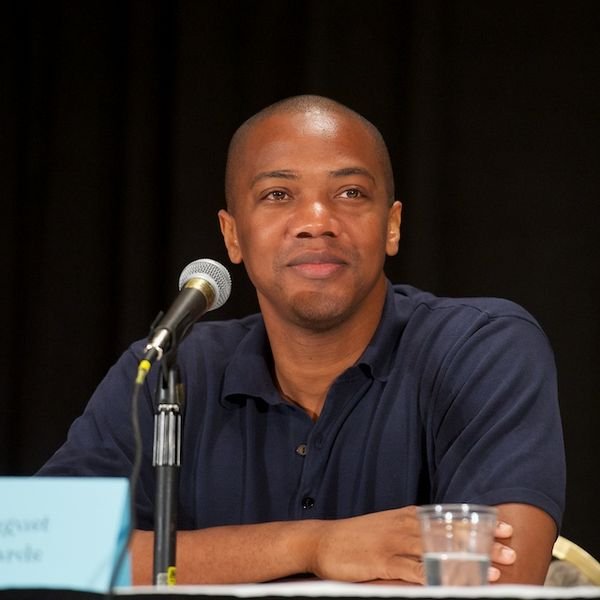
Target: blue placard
63	532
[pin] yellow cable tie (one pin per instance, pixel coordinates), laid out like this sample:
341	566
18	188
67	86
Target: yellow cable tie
143	369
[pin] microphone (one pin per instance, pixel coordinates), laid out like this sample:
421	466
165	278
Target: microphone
205	285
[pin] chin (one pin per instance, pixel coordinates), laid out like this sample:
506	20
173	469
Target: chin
319	311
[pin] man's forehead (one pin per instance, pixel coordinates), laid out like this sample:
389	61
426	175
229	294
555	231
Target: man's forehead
307	138
314	122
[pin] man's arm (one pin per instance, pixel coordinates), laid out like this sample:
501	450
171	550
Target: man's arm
534	533
228	554
378	546
382	545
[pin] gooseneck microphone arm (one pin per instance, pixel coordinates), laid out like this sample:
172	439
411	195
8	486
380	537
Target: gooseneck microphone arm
205	285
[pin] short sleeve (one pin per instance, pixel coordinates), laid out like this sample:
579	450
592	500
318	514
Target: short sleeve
494	426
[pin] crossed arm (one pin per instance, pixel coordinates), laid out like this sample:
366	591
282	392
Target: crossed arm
378	546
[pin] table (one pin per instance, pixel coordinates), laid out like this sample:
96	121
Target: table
300	590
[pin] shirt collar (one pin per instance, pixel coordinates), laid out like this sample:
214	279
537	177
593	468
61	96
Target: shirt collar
249	373
379	355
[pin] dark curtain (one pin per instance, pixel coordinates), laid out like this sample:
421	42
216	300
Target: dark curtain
115	121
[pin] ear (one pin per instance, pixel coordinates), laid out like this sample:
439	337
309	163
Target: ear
392	238
229	231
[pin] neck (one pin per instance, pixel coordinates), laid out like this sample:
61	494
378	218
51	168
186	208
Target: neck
306	362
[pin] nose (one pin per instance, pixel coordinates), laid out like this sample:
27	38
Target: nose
313	218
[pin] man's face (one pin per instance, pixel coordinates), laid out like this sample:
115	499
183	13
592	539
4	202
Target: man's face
310	218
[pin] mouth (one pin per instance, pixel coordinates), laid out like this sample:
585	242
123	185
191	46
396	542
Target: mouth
317	265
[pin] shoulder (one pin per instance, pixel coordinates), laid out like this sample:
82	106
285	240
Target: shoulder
486	308
426	313
443	328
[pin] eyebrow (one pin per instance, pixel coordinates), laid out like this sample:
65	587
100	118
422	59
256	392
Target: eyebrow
281	174
352	171
292	175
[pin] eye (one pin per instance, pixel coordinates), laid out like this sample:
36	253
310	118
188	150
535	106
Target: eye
276	196
352	194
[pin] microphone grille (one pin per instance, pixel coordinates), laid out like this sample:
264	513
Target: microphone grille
213	272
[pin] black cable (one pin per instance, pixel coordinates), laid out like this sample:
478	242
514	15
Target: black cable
134	476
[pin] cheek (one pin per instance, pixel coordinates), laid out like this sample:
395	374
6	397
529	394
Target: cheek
257	242
369	233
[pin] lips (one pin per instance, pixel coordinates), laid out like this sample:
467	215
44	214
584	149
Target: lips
317	265
316	258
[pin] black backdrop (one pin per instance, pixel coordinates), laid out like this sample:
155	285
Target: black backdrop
115	121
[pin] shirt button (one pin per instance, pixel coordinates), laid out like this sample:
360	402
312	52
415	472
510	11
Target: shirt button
308	502
301	449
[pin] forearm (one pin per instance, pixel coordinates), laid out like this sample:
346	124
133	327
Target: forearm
534	533
384	545
232	554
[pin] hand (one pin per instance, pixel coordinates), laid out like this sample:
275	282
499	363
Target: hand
501	554
383	545
386	546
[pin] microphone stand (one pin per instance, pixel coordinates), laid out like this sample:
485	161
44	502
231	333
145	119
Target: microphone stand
167	461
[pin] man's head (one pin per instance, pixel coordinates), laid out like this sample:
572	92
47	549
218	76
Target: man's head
308	104
311	214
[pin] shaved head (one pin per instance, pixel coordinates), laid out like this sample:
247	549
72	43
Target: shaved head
321	108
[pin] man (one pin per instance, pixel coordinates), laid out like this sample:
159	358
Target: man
313	429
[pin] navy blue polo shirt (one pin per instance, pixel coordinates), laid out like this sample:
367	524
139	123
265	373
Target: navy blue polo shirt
453	400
